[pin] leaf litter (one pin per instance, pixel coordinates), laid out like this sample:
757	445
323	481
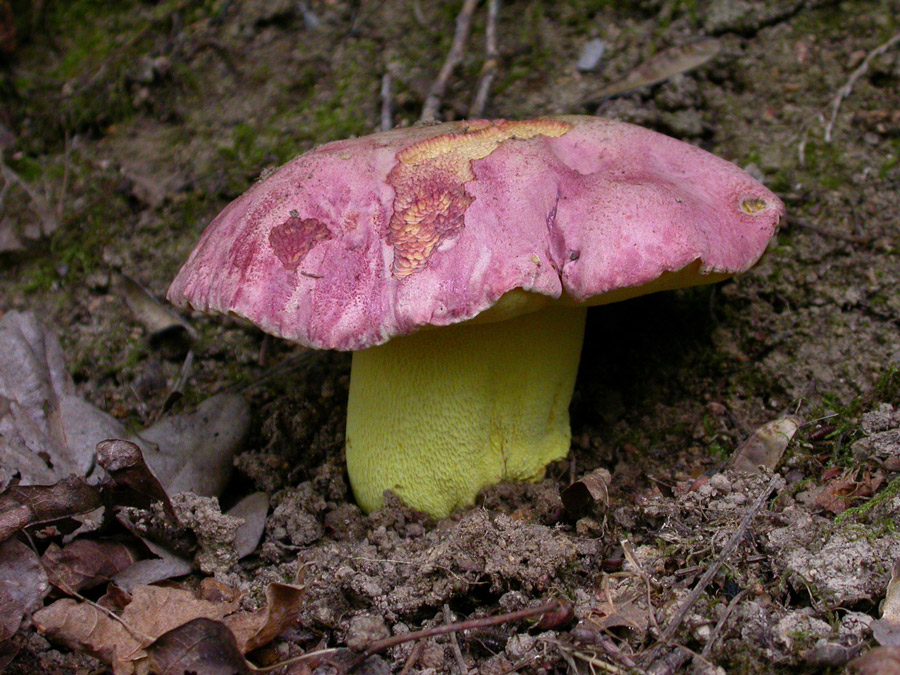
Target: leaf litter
812	329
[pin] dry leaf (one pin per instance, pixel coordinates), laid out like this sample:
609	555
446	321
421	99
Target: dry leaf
845	488
765	446
166	565
86	563
23	585
85	628
167	331
659	68
47	432
252	509
152	611
587	492
255	629
23	506
133	483
155	611
199	647
196	449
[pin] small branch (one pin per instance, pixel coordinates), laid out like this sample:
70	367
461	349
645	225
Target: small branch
846	90
694	595
387	113
853	239
491	60
454	643
707	648
454	56
554	606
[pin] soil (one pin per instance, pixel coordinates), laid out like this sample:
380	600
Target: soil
138	121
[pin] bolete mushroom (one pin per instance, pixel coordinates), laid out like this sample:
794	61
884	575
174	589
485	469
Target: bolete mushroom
457	262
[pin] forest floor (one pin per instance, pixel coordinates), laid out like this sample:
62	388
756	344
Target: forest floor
126	127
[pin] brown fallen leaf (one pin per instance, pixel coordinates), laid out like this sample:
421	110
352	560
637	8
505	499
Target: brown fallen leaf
252	509
845	488
661	67
255	629
199	647
24	505
48	432
587	492
765	446
154	611
23	585
879	661
167	331
86	563
133	483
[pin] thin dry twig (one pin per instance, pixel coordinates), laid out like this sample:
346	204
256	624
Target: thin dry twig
720	625
491	61
846	90
694	595
413	657
554	606
454	56
454	643
852	238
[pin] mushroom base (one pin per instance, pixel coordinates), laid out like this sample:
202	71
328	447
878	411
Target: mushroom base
438	415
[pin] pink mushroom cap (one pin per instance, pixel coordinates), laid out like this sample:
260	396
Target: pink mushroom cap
362	240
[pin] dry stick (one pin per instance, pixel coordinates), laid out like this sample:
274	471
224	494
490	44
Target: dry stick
454	56
394	640
457	652
845	91
413	657
854	239
491	60
714	569
707	648
387	113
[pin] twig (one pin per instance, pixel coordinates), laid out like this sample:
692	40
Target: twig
413	657
470	624
296	659
845	91
589	659
852	238
454	56
694	595
457	652
721	623
387	114
491	60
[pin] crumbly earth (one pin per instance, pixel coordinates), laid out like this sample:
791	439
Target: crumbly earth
139	121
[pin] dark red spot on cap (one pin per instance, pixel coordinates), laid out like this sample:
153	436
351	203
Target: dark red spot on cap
295	238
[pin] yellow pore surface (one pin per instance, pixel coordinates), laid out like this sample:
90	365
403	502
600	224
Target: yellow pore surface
438	415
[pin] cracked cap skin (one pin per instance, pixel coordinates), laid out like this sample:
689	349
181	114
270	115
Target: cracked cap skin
362	240
499	232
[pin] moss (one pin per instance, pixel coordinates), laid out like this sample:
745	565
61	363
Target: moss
891	490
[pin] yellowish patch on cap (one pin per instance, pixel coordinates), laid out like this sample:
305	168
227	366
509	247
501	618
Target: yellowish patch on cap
754	205
429	198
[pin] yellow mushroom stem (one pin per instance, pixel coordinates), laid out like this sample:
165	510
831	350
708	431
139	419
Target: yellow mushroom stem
438	415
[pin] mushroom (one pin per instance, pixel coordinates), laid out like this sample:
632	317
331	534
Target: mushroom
457	262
